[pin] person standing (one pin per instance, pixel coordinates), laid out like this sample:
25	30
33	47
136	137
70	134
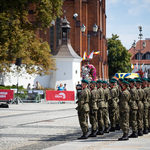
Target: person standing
101	108
93	109
83	109
106	113
140	107
133	109
124	111
146	105
113	104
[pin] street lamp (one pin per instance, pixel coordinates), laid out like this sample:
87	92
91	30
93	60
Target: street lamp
142	46
89	34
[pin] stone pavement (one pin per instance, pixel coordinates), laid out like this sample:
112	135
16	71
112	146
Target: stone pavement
37	126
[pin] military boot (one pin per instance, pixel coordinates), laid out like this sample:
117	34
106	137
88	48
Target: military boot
145	131
140	132
124	137
117	127
133	135
84	136
112	129
106	130
100	132
93	134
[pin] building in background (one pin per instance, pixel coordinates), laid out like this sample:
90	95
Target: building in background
140	59
89	13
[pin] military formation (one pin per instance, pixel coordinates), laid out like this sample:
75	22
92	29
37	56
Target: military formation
120	104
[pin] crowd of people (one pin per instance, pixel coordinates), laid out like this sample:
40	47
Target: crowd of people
119	104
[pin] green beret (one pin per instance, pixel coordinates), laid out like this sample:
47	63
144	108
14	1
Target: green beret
93	82
132	80
85	81
125	82
105	82
138	80
99	81
144	79
112	81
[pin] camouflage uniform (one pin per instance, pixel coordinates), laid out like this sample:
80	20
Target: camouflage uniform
113	104
124	111
101	110
106	115
83	110
140	111
149	108
133	111
146	107
93	111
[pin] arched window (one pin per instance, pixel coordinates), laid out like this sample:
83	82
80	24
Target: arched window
146	56
138	56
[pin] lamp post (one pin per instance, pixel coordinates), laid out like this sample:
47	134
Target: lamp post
142	46
89	34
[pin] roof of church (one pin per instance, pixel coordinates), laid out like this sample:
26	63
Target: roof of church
66	51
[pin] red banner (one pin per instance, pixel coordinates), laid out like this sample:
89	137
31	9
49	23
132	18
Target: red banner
6	94
60	95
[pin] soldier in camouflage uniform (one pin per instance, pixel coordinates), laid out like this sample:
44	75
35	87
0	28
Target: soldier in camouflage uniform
106	98
93	109
83	109
146	105
113	105
133	109
124	110
140	107
101	108
148	86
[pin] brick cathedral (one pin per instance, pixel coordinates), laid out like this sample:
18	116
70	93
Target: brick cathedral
89	13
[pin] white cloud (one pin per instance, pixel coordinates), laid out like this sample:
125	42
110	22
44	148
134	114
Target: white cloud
137	7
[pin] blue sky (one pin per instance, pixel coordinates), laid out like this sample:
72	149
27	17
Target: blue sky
124	17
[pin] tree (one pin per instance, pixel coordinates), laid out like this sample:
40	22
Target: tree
18	38
118	57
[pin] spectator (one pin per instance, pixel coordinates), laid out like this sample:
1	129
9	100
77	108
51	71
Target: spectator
65	89
29	87
60	88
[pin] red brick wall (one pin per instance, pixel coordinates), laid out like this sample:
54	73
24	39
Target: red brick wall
89	13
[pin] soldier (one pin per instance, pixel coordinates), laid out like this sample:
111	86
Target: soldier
113	105
140	107
101	108
93	109
146	105
83	109
148	86
133	109
124	111
106	114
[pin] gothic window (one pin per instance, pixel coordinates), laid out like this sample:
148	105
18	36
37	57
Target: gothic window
146	56
138	56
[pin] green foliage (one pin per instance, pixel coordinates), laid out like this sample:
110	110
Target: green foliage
18	34
11	87
118	57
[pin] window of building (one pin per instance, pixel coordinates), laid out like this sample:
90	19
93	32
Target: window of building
146	56
138	56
